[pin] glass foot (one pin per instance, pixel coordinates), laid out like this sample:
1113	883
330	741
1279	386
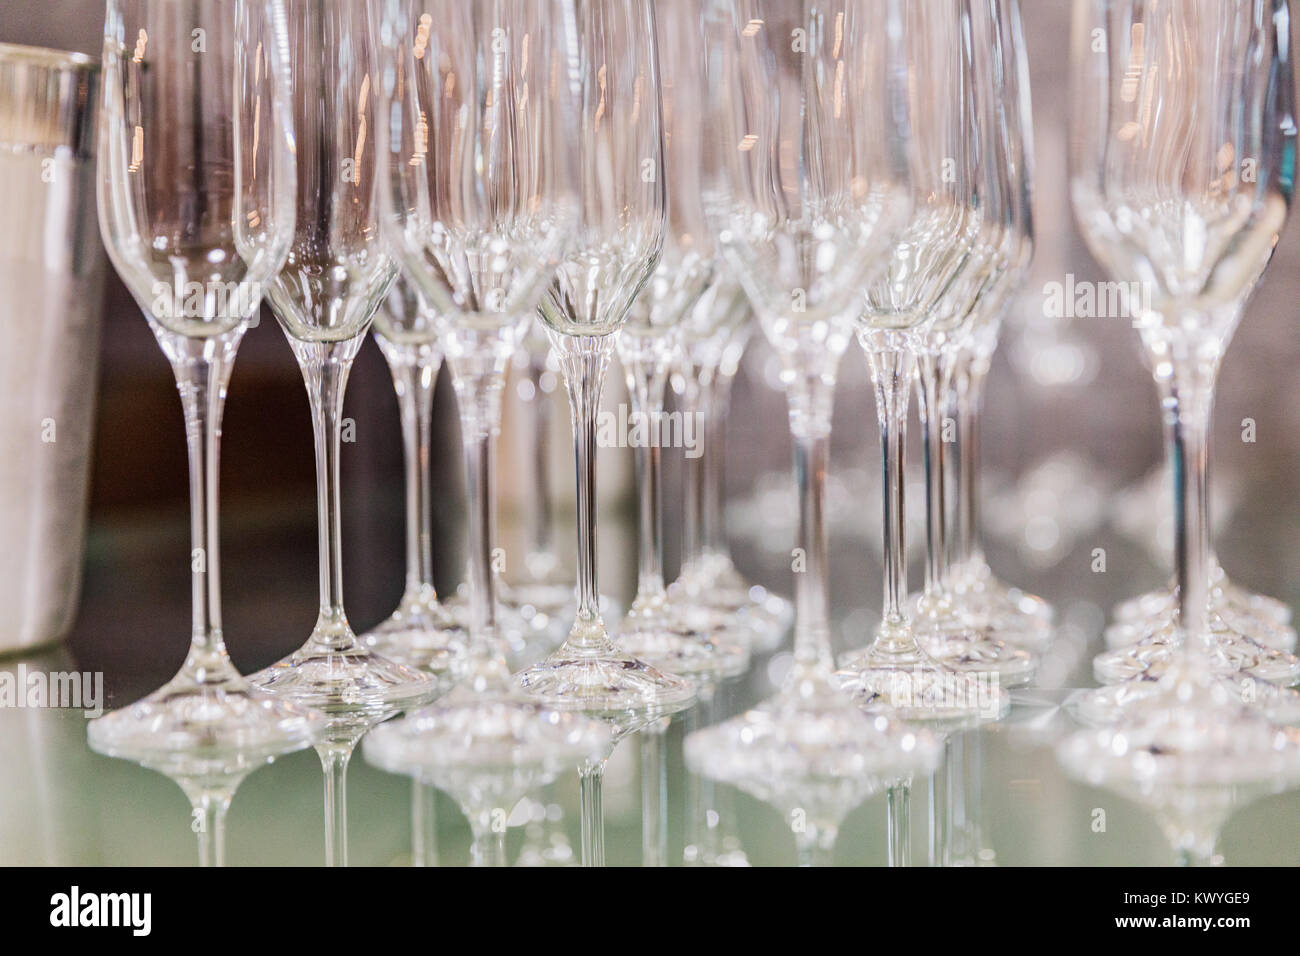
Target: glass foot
1009	614
957	646
192	730
650	633
710	594
421	633
1159	613
895	673
811	748
338	675
1233	655
589	673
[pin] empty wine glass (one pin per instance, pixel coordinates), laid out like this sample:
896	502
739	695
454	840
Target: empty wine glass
809	114
934	272
480	205
196	207
709	590
999	250
620	153
648	342
1182	137
986	604
335	278
421	632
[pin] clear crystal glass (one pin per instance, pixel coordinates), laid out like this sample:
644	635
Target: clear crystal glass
196	206
811	192
480	213
1182	139
335	278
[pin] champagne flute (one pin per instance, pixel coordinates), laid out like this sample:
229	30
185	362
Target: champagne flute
421	632
934	274
325	296
1182	141
811	193
620	154
480	204
196	207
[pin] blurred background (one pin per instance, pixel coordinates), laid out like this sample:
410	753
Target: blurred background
1072	457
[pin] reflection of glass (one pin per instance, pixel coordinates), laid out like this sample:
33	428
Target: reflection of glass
196	205
335	278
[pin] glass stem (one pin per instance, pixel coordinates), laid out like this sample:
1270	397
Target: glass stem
812	646
334	759
712	519
538	435
891	372
1186	396
202	368
968	388
647	377
695	402
424	824
489	846
898	823
654	794
209	819
415	376
590	800
479	384
932	386
325	367
584	360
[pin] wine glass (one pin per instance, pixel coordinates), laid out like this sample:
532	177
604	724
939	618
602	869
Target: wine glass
999	251
1182	138
421	632
480	204
335	278
809	112
647	346
196	187
619	149
935	272
709	590
985	603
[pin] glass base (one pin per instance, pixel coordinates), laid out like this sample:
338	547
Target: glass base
954	644
355	687
486	749
1008	614
651	633
1232	656
1224	596
895	673
528	620
193	730
811	748
421	633
588	673
1157	613
710	594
